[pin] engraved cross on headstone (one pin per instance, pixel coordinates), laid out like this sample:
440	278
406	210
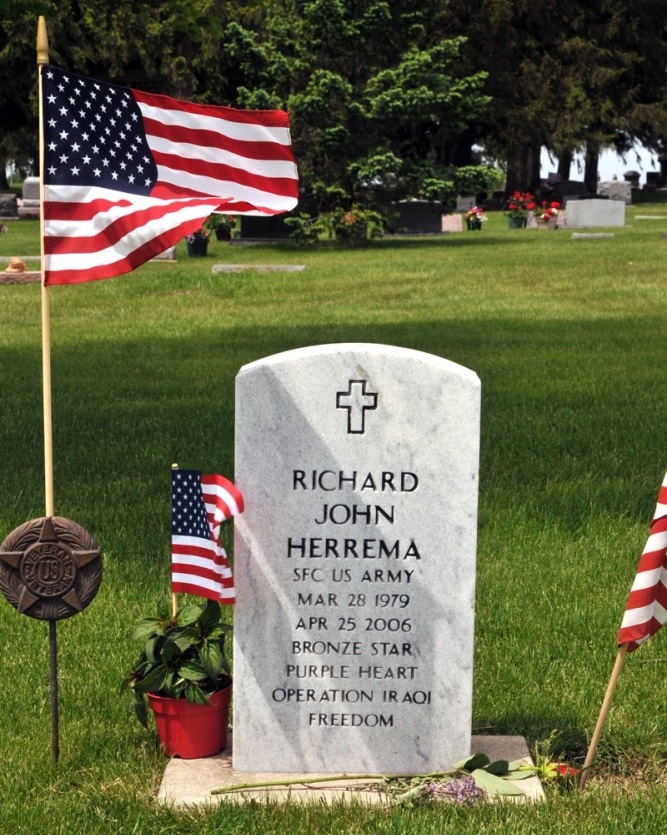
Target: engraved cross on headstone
356	400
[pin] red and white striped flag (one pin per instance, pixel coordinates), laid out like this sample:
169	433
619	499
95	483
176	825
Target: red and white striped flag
129	174
646	609
200	503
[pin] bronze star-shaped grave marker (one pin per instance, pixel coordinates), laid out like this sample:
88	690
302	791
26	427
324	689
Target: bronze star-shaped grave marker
50	568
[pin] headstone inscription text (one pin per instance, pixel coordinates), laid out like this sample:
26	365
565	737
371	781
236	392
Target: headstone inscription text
354	560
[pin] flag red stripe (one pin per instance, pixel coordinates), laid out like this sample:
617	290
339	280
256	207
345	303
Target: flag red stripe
281	186
198	571
648	602
644	597
251	149
201	591
117	229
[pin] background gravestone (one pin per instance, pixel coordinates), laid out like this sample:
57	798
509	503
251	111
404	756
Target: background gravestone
595	212
355	560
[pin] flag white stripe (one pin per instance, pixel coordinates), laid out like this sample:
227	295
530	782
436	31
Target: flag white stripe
244	131
647	579
124	247
202	582
202	562
643	614
226	497
225	189
261	167
655	542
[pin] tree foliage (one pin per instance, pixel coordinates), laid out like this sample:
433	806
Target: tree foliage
388	98
374	91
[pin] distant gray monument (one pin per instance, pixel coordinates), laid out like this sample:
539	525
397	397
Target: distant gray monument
354	561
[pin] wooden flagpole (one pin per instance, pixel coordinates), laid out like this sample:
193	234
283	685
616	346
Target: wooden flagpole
604	710
174	599
43	58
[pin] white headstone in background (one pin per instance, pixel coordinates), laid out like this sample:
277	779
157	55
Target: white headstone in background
452	223
464	202
354	561
582	213
616	190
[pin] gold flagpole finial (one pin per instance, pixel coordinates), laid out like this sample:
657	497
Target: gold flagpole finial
42	42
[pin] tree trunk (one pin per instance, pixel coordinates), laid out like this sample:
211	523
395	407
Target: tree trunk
523	168
565	164
591	167
4	185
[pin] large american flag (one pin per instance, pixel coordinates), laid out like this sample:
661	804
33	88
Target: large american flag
129	174
200	503
646	609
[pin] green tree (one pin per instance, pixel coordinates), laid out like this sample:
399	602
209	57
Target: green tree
167	46
567	75
374	93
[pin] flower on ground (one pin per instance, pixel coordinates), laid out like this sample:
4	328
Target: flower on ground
463	790
520	204
547	211
476	213
200	235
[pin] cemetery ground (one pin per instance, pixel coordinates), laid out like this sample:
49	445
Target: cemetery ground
569	339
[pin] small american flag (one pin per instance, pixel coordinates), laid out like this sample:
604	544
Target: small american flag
646	609
129	174
200	503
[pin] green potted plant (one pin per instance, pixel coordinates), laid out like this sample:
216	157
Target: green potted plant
354	225
197	243
475	217
519	206
547	214
220	225
182	673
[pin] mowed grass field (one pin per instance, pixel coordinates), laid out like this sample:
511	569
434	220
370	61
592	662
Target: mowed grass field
569	338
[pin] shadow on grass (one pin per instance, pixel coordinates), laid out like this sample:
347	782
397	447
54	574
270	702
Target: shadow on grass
561	400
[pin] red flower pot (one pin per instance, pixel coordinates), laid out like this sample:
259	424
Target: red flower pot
191	730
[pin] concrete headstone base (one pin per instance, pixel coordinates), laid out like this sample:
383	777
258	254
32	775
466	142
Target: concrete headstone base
191	782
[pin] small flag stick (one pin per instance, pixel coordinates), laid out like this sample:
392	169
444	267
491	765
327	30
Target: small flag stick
604	710
174	599
43	58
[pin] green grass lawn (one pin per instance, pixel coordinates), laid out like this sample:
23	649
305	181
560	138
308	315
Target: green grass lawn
568	338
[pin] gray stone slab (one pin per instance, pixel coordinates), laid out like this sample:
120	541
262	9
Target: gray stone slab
464	202
581	236
191	782
26	277
262	268
616	190
31	188
582	213
452	223
168	255
355	560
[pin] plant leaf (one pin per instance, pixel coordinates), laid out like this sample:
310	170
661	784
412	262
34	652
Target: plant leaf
211	657
188	614
492	784
517	775
153	681
471	763
147	627
498	767
192	671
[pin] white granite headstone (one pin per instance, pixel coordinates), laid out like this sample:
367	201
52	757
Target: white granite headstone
583	213
452	223
354	561
616	190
